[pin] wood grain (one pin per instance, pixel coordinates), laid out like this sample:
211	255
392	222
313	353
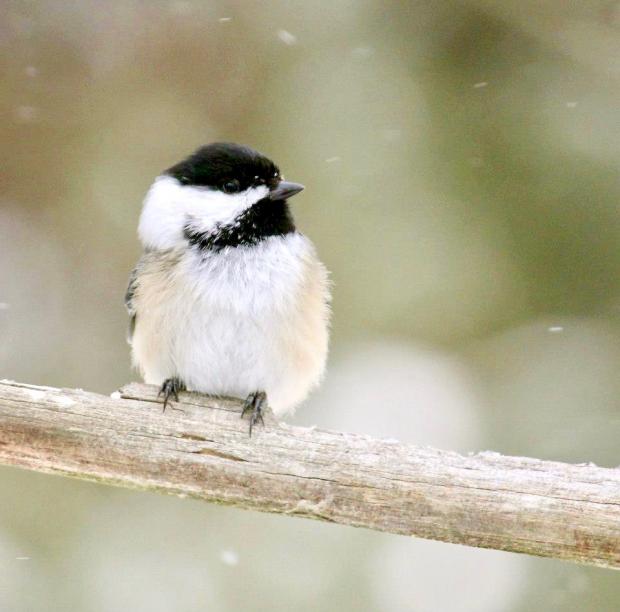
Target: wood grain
201	449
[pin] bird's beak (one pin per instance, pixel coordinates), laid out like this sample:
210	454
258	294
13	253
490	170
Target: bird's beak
285	190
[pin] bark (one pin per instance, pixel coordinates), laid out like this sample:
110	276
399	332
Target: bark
200	448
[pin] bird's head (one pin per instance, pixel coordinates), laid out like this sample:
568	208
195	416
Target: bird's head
222	195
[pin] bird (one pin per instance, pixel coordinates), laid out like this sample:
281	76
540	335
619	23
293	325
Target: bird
228	297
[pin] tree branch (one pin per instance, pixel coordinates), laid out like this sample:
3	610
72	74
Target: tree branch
201	449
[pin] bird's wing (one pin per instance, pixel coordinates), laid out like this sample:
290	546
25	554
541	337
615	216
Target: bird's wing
129	300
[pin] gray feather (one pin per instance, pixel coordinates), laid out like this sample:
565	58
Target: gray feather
129	301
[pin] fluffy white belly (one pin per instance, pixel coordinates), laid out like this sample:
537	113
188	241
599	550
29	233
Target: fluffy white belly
231	323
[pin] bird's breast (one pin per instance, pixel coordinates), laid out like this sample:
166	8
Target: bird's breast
240	320
251	280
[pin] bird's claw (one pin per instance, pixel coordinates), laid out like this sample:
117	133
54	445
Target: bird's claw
170	388
254	403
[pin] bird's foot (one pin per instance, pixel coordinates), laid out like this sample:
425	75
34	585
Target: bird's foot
170	388
254	403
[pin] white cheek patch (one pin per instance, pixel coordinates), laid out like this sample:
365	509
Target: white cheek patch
169	206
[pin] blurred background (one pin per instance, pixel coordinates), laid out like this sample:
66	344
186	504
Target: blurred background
462	185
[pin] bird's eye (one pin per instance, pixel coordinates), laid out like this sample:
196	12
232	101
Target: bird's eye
231	186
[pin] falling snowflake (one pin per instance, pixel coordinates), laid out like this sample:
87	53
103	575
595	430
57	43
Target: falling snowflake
229	557
287	38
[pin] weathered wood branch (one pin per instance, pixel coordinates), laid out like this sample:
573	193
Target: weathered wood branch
201	449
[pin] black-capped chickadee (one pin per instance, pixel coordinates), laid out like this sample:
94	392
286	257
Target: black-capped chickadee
228	298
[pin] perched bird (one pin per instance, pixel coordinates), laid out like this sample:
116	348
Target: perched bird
228	297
